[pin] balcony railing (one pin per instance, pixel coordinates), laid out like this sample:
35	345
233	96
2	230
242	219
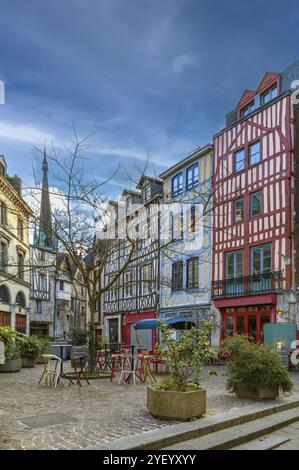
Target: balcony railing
247	285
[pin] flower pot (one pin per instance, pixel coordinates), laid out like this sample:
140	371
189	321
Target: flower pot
28	361
260	394
170	404
11	365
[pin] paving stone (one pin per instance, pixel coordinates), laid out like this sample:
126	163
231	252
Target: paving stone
100	413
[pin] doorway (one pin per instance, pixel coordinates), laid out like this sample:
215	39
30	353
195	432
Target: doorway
247	321
113	334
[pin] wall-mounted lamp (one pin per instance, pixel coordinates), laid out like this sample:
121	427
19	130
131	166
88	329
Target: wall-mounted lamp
279	344
279	312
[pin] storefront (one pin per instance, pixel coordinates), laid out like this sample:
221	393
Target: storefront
147	338
246	315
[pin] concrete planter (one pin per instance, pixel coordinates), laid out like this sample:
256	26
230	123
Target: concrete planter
182	406
261	394
28	361
11	365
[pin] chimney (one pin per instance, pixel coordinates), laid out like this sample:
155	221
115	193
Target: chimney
16	183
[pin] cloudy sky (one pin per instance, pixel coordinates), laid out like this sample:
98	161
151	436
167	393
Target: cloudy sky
155	75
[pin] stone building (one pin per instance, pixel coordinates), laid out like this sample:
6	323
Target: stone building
14	252
186	242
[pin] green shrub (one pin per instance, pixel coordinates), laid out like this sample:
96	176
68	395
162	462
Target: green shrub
11	351
254	366
44	342
186	355
30	346
79	337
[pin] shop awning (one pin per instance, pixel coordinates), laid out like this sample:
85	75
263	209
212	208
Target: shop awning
152	323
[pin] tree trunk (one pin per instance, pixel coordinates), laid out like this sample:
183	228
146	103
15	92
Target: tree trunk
92	338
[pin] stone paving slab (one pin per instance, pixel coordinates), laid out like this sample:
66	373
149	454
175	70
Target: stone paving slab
101	413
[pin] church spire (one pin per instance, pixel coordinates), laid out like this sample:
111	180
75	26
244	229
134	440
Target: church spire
45	232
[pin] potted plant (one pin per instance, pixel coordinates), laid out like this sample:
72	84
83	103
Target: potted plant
181	397
254	371
30	349
13	361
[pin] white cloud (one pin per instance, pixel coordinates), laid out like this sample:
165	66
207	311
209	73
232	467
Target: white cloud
183	61
21	132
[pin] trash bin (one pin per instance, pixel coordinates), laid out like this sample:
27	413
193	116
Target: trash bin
56	349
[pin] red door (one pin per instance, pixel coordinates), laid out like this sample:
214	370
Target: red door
247	321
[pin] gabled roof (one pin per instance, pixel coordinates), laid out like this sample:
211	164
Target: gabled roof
246	97
268	78
145	178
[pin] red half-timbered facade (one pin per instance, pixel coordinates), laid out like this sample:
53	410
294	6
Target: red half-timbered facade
253	183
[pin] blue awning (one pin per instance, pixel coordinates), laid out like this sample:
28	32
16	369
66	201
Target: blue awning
152	323
148	324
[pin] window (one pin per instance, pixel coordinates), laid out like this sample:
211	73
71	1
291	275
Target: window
234	264
260	259
238	210
128	286
61	285
178	226
177	184
3	213
43	282
192	176
20	266
177	276
255	204
3	256
254	153
38	307
192	273
20	229
247	110
146	280
269	95
20	300
240	160
192	219
4	295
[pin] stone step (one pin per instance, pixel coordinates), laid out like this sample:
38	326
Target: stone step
181	432
239	434
263	443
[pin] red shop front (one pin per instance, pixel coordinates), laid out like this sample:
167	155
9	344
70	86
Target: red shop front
147	338
247	315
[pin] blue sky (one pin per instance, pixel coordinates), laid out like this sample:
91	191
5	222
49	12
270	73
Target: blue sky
141	74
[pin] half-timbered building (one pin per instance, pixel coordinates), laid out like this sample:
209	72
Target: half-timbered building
135	295
253	187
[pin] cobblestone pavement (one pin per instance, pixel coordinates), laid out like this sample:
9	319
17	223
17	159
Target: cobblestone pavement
87	415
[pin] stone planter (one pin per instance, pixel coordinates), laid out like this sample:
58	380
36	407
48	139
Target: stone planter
261	394
40	360
28	361
169	404
11	365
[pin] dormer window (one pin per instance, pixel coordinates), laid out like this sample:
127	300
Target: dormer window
177	184
192	176
248	109
269	95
